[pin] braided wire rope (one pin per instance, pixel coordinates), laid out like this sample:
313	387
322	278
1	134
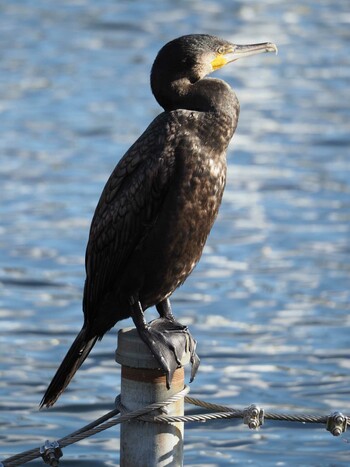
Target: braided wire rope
95	427
108	421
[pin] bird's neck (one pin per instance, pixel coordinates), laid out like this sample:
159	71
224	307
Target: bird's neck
205	95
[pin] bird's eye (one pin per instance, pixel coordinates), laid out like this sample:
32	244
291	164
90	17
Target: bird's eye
221	50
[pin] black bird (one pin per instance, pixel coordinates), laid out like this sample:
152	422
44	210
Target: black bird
159	204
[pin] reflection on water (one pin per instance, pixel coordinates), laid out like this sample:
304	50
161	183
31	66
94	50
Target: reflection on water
269	301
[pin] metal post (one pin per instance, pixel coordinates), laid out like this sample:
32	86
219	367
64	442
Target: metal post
144	444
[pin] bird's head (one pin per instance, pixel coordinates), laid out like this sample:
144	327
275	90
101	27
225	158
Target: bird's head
192	57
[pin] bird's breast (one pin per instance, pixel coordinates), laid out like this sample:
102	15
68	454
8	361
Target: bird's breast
175	240
178	237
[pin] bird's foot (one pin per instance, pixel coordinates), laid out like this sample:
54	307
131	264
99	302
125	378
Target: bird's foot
168	341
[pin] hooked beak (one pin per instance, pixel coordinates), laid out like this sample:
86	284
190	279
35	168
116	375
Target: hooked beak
240	51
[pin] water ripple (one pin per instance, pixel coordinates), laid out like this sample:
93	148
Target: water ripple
269	301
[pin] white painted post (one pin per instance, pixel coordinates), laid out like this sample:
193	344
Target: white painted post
145	444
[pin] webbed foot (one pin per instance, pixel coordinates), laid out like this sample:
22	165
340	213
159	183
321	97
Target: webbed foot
173	340
168	340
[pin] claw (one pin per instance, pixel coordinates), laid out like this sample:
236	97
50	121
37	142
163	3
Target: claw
195	361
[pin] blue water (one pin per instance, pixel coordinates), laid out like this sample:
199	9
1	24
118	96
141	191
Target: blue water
269	302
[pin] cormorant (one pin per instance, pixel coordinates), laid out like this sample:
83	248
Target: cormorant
159	204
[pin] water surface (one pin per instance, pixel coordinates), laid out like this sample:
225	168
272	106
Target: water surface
269	302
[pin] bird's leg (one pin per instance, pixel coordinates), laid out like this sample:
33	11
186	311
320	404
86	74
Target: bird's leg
155	341
167	340
165	312
164	309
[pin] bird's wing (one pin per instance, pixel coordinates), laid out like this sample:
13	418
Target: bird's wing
128	206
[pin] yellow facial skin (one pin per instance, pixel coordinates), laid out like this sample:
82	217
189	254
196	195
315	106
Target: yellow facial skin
218	62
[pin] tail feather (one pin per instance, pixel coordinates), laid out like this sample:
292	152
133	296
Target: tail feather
76	355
